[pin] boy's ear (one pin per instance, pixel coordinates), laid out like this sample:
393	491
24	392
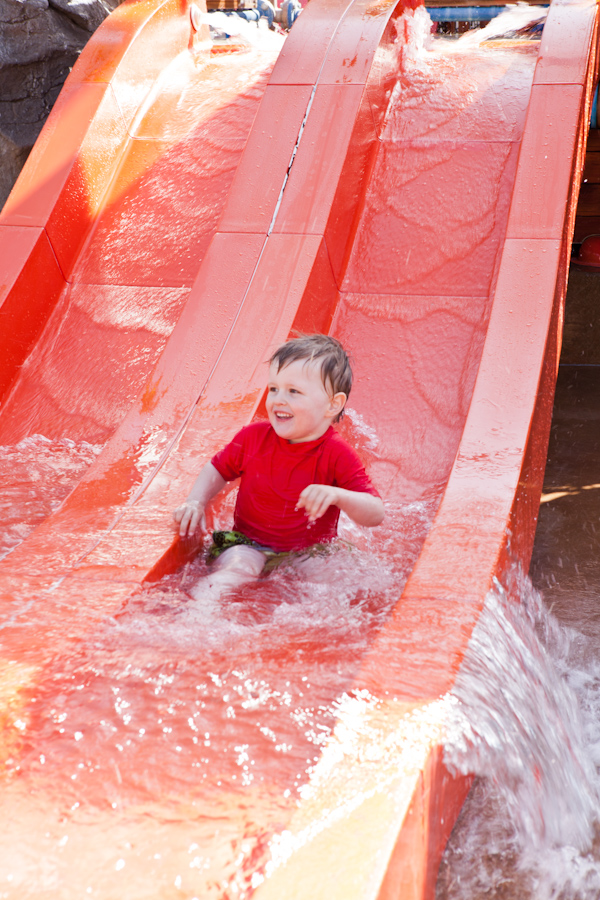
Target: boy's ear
338	401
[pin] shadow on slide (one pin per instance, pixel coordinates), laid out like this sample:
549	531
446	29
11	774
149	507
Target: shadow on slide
182	212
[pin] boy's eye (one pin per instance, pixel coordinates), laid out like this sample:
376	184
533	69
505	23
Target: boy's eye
272	389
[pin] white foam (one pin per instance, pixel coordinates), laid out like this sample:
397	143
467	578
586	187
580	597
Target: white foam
528	725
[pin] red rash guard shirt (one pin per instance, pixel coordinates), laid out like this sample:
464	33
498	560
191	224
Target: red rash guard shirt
274	472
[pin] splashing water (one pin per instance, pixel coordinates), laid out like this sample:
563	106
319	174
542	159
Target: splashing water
163	752
514	22
416	42
36	476
414	38
526	724
253	34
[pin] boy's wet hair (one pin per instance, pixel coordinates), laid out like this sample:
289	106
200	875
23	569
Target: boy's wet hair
336	371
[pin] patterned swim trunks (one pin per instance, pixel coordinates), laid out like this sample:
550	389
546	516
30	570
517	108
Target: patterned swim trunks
223	540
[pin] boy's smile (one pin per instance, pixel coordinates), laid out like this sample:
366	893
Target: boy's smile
298	405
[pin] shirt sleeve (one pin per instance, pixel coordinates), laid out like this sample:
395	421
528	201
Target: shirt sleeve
229	462
349	472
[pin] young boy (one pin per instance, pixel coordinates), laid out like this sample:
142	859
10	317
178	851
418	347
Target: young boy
296	471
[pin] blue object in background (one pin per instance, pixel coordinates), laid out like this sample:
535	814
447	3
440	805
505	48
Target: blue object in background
464	13
267	10
250	15
290	10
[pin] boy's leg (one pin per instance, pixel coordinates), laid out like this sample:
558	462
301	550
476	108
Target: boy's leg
234	567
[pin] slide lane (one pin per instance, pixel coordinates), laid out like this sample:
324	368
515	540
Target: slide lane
124	189
326	247
114	531
485	523
208	358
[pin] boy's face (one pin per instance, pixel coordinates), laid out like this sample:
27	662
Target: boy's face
298	405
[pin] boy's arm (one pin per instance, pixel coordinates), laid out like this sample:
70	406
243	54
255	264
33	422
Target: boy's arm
191	513
363	508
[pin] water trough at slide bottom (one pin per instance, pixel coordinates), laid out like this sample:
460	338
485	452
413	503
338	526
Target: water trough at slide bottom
291	743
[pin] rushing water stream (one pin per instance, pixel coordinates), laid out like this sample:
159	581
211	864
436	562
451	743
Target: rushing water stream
528	726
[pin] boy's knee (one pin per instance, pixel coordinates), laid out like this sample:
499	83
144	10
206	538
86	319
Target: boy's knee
241	560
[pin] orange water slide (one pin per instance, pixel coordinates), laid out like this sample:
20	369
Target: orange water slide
180	215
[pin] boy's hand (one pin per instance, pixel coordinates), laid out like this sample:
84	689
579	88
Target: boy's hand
363	508
188	516
316	500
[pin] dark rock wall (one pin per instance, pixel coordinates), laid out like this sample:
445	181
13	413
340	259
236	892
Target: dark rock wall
39	42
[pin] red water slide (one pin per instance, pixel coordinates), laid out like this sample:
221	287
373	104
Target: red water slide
182	212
